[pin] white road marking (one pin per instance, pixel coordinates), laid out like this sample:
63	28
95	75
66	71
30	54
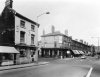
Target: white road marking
89	73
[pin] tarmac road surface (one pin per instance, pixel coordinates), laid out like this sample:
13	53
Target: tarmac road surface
59	68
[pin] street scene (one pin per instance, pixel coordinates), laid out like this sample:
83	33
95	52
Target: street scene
50	38
69	67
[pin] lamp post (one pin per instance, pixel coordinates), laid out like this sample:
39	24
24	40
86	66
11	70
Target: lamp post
36	55
41	15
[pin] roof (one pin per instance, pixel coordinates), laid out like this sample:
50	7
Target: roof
7	49
53	34
23	17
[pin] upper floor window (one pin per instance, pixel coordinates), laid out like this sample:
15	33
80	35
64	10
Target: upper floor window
22	24
22	37
55	44
32	39
32	28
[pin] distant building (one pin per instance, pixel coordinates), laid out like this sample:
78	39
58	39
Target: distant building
56	44
18	31
80	46
52	44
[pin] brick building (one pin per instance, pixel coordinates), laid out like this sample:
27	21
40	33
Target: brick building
80	47
56	44
19	32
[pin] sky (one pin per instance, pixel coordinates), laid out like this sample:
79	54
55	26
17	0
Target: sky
80	17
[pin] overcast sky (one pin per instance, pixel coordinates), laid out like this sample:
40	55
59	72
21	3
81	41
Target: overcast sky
80	17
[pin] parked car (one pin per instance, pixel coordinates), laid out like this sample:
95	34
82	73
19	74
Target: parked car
83	57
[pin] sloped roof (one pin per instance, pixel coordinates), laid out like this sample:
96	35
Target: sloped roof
53	34
25	18
21	16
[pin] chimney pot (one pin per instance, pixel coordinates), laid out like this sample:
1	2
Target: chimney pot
9	3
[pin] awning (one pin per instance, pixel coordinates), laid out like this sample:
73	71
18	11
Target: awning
7	49
81	52
75	52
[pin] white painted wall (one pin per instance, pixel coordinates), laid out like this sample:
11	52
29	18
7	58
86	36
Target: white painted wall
27	31
48	42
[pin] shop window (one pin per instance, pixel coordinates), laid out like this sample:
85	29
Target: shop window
7	56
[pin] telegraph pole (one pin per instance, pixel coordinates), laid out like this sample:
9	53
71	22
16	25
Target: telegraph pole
98	41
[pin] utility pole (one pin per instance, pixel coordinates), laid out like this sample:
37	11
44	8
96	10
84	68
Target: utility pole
98	41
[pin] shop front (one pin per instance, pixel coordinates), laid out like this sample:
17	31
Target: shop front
27	54
8	55
55	53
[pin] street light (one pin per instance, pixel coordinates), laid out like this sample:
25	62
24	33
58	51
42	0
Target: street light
37	22
42	14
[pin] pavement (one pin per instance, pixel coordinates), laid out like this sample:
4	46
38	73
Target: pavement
21	66
42	61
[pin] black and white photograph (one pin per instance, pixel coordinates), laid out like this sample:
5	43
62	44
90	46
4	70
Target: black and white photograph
49	38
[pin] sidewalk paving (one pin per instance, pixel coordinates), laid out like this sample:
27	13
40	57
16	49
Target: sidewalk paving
21	66
42	61
68	58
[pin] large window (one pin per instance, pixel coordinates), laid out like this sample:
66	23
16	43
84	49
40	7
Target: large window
32	28
22	37
22	24
32	39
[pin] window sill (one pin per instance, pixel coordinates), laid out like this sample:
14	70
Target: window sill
23	27
33	30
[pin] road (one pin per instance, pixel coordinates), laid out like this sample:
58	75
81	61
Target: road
58	68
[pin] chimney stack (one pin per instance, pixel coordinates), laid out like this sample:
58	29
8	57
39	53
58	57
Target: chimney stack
53	29
81	41
9	3
76	39
66	32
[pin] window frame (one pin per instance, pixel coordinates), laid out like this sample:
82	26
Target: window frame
22	37
32	29
22	23
32	37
